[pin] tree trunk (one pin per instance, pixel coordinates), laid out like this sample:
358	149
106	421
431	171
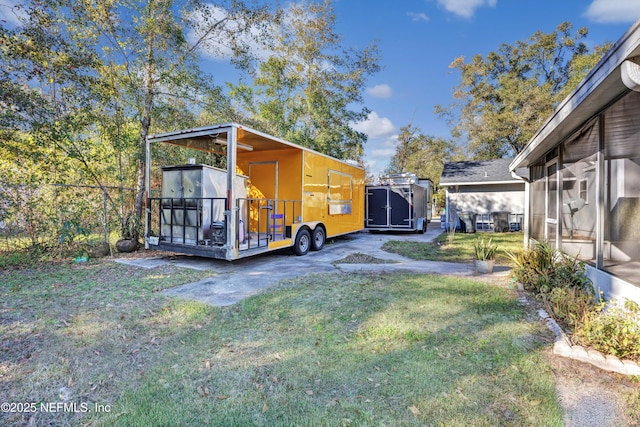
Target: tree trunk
145	124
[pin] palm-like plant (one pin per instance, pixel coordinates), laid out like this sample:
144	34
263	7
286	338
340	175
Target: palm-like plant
485	249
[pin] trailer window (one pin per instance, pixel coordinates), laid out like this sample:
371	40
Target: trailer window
340	193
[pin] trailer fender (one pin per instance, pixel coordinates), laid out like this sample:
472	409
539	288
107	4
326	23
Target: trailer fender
421	225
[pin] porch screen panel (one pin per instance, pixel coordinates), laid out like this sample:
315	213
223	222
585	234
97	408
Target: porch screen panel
622	181
578	194
537	202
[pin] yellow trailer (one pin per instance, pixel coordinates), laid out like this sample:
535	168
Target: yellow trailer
273	194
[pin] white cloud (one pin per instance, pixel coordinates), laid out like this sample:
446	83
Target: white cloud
210	47
12	14
375	126
214	30
465	8
380	91
385	153
379	151
417	17
613	11
382	142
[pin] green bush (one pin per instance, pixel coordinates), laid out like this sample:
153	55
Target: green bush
532	267
15	259
542	268
615	330
569	305
485	250
560	281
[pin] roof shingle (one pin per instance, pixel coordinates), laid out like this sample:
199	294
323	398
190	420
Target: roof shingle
477	171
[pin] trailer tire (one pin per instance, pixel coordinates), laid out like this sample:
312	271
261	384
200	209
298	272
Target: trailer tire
318	237
302	243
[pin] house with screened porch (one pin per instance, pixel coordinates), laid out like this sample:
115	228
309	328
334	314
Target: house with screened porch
582	193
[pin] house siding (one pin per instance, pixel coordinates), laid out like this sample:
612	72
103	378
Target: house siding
486	199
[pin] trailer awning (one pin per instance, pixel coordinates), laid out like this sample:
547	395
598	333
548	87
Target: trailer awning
214	139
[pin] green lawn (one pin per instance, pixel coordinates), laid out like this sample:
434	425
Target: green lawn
333	349
461	250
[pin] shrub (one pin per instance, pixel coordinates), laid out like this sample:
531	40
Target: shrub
543	268
15	259
558	280
485	250
532	267
569	305
130	227
615	330
561	283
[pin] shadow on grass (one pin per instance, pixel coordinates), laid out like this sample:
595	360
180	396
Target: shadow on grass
351	350
462	249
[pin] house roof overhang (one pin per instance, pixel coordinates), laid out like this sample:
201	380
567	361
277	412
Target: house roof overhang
596	91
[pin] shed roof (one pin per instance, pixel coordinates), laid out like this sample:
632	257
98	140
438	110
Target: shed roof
477	172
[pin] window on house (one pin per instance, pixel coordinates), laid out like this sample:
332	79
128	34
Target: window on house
582	190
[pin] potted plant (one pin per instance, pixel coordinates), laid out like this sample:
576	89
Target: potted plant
129	232
485	255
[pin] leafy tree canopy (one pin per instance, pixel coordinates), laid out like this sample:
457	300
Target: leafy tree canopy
308	88
91	78
504	97
421	154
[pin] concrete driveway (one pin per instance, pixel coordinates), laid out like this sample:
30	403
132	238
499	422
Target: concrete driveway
245	277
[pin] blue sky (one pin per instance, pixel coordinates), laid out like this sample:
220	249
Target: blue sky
418	39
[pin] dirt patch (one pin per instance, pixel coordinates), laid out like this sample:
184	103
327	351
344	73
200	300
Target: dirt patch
593	397
360	258
141	252
589	396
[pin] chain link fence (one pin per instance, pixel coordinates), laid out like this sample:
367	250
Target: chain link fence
59	215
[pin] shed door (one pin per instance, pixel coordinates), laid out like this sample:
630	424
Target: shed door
401	206
377	207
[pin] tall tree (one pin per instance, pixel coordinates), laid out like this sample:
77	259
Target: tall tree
47	93
84	72
309	87
421	154
46	81
504	97
154	46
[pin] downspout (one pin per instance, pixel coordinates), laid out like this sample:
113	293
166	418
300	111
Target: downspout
147	186
230	213
527	210
446	207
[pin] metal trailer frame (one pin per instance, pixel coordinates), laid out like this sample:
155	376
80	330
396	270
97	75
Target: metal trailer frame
402	202
273	194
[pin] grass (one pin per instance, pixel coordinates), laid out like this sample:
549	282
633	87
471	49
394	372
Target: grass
462	249
333	349
19	252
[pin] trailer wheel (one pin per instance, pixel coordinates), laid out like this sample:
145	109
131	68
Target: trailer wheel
424	227
302	243
318	237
